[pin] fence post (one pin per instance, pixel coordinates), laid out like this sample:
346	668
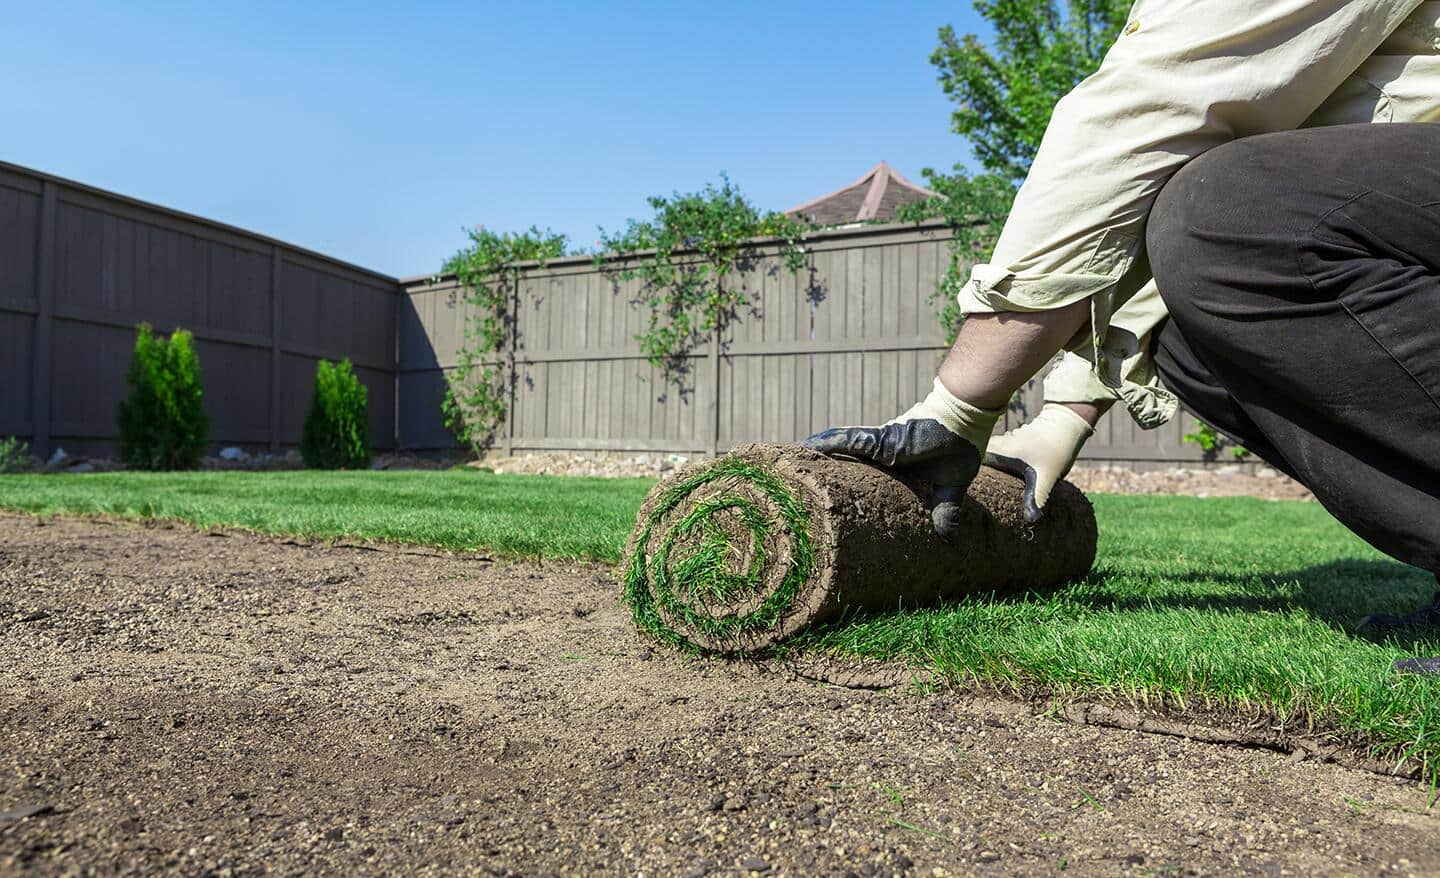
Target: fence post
274	349
712	445
44	321
512	373
398	316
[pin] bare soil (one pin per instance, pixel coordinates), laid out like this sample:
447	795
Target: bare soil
221	704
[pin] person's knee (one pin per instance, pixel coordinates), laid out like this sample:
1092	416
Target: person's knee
1213	213
1202	193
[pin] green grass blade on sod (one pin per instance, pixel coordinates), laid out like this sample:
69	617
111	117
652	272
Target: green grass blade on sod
1228	603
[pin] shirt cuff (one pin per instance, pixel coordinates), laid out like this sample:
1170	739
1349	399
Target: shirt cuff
993	289
1074	379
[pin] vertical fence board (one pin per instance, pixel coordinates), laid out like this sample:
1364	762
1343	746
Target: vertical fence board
44	296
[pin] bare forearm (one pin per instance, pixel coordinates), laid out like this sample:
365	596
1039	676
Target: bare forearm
994	354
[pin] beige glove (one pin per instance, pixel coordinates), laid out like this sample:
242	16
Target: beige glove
1041	452
940	439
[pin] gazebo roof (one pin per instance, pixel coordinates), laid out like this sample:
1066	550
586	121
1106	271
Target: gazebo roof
878	193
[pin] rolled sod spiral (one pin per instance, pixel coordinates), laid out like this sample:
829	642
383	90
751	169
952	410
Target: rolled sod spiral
737	554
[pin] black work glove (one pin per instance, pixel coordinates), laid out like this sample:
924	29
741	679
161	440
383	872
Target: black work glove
940	440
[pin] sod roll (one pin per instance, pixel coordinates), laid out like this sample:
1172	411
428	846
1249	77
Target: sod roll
736	554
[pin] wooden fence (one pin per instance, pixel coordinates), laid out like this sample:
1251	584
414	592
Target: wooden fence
852	339
79	268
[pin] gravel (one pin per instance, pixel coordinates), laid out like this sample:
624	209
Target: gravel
1213	480
1203	480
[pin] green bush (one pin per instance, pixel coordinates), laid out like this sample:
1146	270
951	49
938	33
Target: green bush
14	455
337	429
1212	443
163	425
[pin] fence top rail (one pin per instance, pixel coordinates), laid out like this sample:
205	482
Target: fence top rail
22	171
828	236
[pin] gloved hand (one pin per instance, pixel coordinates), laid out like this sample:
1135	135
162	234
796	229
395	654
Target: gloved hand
1041	452
941	439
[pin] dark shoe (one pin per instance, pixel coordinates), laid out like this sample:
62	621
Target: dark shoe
1416	666
1426	617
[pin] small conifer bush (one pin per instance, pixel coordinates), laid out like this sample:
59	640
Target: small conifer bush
337	428
163	425
14	455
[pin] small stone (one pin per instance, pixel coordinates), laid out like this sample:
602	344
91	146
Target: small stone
334	833
232	453
716	804
21	812
753	863
988	856
734	803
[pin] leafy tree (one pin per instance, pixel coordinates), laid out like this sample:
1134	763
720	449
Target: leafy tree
163	425
1005	94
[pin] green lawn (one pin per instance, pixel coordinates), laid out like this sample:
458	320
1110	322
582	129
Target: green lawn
1220	602
462	509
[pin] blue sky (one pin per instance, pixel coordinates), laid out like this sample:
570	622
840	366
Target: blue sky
375	132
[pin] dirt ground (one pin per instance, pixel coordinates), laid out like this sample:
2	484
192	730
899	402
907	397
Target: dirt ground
220	704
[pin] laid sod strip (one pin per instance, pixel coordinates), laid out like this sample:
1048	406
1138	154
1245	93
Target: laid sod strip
462	509
737	554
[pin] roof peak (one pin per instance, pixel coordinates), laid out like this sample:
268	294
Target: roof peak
878	180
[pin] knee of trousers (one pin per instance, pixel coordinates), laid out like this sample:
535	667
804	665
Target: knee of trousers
1218	210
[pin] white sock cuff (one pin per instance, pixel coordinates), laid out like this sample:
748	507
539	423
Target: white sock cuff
963	411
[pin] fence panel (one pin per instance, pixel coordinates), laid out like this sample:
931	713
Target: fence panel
853	338
82	267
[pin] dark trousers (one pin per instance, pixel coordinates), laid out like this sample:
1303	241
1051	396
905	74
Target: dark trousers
1302	275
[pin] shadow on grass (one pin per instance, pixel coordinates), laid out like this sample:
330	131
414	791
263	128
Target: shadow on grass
1337	593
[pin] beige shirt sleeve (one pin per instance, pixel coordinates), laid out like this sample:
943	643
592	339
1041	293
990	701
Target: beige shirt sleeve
1182	78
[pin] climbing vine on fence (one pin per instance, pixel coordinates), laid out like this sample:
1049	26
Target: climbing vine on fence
488	271
687	258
